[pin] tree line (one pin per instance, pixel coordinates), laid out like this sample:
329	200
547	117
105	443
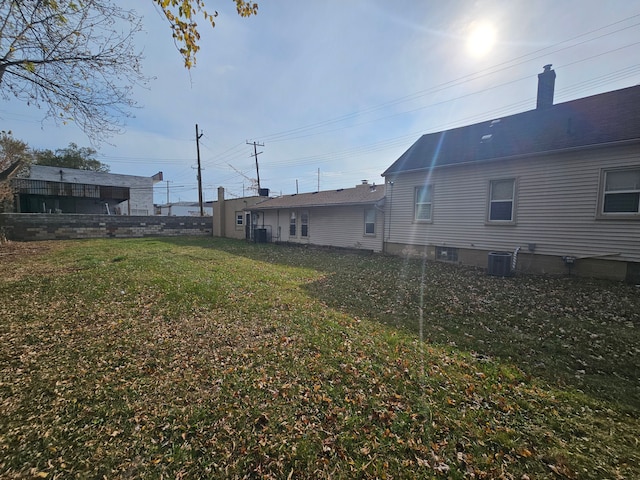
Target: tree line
14	151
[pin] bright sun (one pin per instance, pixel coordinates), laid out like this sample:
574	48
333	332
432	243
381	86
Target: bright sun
481	39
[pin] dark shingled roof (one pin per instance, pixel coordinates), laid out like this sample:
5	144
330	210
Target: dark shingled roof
590	121
360	195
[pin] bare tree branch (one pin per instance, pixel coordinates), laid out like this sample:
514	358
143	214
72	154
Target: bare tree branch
75	60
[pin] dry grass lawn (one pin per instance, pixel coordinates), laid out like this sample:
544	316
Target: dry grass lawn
211	358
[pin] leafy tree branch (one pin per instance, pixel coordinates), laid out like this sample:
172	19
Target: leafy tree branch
14	155
182	15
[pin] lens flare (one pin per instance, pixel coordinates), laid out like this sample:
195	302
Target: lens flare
481	39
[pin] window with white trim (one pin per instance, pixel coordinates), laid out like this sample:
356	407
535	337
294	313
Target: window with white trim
304	224
501	200
370	221
292	224
423	203
239	219
621	192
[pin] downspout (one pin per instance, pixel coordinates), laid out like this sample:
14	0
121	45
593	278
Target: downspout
514	260
222	210
390	206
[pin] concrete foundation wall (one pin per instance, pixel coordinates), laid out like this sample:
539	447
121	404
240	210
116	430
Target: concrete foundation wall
40	226
603	267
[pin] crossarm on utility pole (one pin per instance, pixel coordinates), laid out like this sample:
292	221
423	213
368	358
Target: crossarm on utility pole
255	154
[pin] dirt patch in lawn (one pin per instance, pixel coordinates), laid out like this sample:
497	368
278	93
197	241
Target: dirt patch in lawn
16	257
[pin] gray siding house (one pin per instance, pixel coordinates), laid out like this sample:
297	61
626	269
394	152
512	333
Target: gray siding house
558	188
345	218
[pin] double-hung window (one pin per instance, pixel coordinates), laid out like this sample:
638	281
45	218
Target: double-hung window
501	200
304	224
423	203
621	193
370	221
292	224
239	219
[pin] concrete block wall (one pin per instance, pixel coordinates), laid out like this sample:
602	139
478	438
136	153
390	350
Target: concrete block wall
40	226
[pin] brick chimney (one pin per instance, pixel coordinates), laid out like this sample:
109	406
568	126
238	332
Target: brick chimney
218	214
546	85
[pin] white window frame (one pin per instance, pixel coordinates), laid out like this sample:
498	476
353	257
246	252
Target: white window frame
293	224
367	221
239	220
631	189
491	202
304	222
420	206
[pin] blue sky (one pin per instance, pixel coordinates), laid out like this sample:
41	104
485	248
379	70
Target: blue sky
337	91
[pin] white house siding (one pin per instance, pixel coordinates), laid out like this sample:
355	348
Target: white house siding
556	207
339	226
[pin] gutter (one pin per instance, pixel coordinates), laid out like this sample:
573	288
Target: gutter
315	205
619	143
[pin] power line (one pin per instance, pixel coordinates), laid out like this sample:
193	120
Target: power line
508	109
234	152
278	136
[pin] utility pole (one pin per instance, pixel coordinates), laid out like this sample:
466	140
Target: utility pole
253	181
167	192
318	179
199	172
255	154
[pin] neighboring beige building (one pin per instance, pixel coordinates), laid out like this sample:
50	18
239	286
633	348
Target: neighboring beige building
346	218
557	188
230	217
